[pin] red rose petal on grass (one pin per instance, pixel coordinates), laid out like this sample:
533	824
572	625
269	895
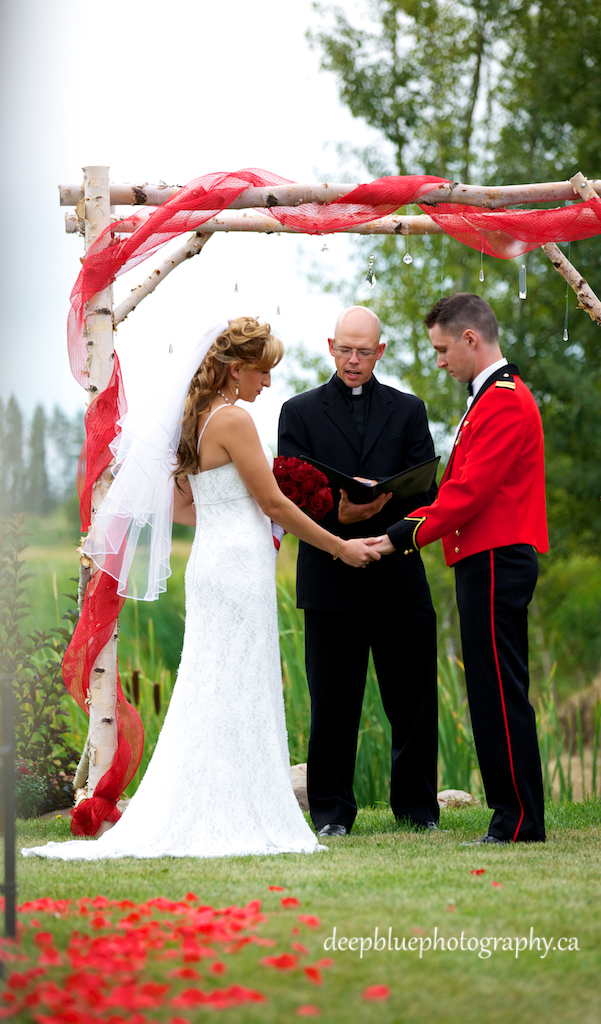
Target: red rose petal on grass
418	931
296	931
285	962
498	885
307	1010
376	993
477	871
277	888
451	907
184	972
43	939
289	901
99	921
190	897
218	968
298	946
326	961
314	975
311	920
50	958
190	997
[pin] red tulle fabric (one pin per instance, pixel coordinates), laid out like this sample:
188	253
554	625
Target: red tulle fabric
501	233
96	625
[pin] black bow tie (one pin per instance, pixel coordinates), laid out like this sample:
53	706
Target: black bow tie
470	389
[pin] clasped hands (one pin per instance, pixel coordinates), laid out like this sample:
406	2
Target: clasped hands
349	512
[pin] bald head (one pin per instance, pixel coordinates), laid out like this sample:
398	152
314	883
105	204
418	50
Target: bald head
356	345
359	320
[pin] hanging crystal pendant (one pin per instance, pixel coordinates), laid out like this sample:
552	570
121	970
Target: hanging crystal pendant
522	288
565	334
370	277
236	287
324	248
277	312
407	258
481	274
170	348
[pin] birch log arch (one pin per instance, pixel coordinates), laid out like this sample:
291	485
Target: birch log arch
257	201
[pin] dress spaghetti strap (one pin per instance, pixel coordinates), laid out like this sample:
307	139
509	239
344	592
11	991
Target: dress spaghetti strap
224	406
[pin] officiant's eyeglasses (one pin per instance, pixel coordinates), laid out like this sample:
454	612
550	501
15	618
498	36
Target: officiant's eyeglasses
361	353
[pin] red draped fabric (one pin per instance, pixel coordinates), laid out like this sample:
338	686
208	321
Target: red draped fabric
501	233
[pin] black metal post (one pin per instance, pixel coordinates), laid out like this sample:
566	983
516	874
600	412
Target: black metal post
7	754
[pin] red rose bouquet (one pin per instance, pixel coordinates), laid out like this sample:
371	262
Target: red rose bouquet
306	486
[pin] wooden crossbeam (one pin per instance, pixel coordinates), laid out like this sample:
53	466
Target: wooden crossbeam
489	197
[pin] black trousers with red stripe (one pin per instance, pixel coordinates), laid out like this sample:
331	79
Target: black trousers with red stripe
494	589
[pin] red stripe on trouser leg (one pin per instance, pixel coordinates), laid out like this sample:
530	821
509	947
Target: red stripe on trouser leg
494	647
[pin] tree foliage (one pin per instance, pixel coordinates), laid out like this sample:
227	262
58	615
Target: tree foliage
486	91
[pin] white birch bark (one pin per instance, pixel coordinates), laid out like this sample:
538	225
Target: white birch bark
587	300
490	197
101	744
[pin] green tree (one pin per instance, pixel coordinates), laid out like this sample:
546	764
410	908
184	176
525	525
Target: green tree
37	491
495	91
13	468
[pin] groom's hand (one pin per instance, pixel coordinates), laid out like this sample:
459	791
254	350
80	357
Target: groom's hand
383	544
348	512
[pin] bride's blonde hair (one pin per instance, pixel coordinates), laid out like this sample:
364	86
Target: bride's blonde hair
246	341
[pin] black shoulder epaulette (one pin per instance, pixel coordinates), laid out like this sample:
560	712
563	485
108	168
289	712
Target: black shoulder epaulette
506	381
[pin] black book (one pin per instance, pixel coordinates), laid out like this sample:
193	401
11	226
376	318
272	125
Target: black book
403	485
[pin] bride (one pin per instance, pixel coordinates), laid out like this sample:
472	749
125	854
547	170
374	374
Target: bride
218	783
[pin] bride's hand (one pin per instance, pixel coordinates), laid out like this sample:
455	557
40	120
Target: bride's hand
358	552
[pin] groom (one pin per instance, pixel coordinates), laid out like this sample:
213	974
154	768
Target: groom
363	428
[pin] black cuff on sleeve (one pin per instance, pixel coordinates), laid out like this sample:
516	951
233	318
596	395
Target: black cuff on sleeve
404	535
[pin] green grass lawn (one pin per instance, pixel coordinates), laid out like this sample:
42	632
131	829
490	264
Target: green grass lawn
383	876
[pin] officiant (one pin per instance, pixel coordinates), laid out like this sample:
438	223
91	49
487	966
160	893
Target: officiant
365	429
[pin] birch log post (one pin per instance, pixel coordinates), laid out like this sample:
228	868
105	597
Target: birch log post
587	300
101	744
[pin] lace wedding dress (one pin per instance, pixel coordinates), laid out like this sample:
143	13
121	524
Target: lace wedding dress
218	783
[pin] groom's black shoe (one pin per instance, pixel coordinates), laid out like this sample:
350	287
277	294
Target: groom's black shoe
485	840
332	830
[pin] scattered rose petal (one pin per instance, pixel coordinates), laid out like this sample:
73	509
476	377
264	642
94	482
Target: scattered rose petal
311	920
218	968
298	946
277	888
477	871
377	993
307	1010
190	897
498	885
451	907
418	931
313	974
326	961
289	901
184	972
285	962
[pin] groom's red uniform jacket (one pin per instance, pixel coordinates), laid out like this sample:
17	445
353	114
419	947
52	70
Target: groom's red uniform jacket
492	493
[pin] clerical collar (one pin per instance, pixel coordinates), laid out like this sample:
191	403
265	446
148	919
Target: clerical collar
361	390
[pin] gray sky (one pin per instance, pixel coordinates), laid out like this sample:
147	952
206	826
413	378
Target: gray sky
167	92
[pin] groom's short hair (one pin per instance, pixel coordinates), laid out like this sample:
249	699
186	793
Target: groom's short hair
457	313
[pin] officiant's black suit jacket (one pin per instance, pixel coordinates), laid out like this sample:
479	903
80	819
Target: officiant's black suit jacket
319	424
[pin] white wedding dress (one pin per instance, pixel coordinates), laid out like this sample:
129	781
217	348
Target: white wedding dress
218	783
